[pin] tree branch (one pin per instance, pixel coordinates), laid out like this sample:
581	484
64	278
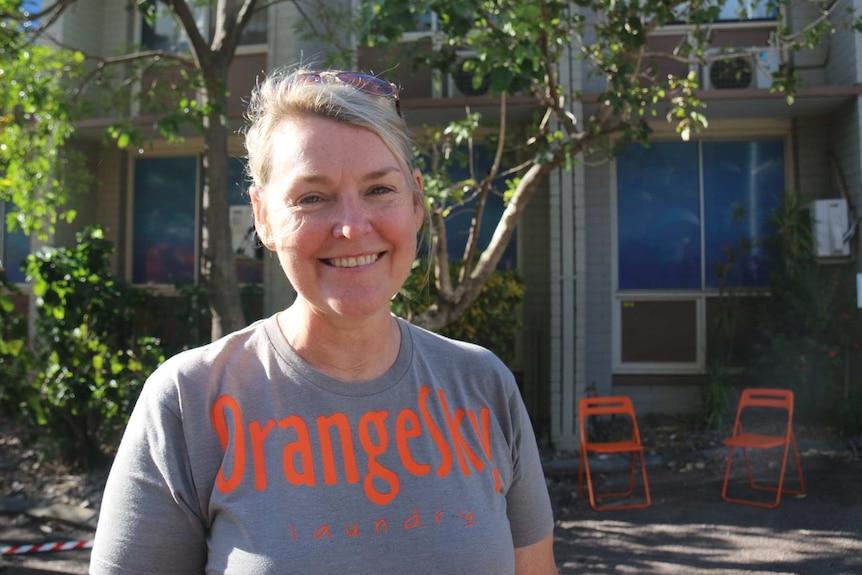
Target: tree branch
484	190
183	14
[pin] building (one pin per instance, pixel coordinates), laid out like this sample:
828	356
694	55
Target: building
616	254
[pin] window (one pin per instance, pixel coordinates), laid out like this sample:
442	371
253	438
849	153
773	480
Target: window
459	221
166	236
689	220
14	248
736	10
167	35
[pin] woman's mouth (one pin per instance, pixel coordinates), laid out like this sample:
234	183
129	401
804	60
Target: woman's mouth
352	261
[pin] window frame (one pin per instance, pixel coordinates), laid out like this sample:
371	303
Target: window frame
165	150
5	246
206	14
698	366
758	22
701	296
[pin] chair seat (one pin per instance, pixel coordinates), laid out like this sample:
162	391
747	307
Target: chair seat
611	406
755	440
614	447
780	401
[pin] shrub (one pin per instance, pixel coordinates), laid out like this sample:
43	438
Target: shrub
85	367
15	356
491	321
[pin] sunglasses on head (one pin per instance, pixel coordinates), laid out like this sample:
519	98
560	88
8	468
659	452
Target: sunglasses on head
365	83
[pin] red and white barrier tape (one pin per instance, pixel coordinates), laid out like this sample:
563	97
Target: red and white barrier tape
46	547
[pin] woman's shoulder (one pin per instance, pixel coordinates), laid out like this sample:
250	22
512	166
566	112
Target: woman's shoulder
230	349
450	350
427	337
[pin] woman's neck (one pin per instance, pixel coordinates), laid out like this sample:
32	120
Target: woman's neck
347	349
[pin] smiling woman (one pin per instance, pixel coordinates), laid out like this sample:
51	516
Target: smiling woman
337	196
332	437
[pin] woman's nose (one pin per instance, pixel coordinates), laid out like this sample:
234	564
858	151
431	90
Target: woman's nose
352	218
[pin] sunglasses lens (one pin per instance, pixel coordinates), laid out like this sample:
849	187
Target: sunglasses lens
367	83
362	82
308	78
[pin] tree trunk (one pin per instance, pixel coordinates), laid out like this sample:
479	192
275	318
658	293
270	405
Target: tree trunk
446	310
218	267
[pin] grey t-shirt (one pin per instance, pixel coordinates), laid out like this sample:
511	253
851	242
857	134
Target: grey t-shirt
241	458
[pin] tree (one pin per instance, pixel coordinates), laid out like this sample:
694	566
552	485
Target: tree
519	47
203	71
38	173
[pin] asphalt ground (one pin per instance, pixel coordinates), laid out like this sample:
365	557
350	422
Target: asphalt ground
688	528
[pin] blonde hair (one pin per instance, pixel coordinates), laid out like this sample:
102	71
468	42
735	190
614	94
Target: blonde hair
281	96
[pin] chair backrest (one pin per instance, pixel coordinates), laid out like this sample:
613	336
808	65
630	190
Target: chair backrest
766	397
607	405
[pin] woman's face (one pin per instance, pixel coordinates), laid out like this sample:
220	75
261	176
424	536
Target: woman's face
341	215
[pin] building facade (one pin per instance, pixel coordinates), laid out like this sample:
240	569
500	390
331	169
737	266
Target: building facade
616	254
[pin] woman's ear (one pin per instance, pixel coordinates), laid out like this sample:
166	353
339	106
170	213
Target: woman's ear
417	176
261	223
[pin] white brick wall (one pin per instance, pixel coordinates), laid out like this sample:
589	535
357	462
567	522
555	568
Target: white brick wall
82	26
841	51
118	27
661	398
599	272
810	64
841	136
812	138
283	45
534	263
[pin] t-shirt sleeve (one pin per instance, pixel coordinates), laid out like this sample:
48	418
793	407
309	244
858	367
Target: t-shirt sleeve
528	503
149	520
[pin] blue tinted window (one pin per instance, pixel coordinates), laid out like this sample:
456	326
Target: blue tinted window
658	215
747	10
458	223
660	233
165	230
743	183
249	255
237	195
16	248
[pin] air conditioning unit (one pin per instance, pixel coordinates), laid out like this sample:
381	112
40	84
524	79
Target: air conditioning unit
460	81
830	224
748	68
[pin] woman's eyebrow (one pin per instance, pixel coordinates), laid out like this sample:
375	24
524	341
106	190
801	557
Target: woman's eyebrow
376	174
322	178
314	178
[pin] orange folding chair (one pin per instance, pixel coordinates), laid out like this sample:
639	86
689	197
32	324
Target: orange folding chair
757	401
603	406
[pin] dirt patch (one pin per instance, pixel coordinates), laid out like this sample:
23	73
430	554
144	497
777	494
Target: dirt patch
27	475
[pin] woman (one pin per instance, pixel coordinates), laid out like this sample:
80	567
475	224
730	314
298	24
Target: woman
331	437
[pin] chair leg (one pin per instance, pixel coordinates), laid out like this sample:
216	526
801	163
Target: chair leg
779	490
631	488
585	461
801	490
781	487
748	468
646	482
727	474
581	473
617	494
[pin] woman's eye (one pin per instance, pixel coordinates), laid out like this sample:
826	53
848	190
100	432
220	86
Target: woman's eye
308	200
380	190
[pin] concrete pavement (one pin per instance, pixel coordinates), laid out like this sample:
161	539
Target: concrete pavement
690	530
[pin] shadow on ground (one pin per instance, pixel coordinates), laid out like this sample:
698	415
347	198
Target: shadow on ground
689	529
